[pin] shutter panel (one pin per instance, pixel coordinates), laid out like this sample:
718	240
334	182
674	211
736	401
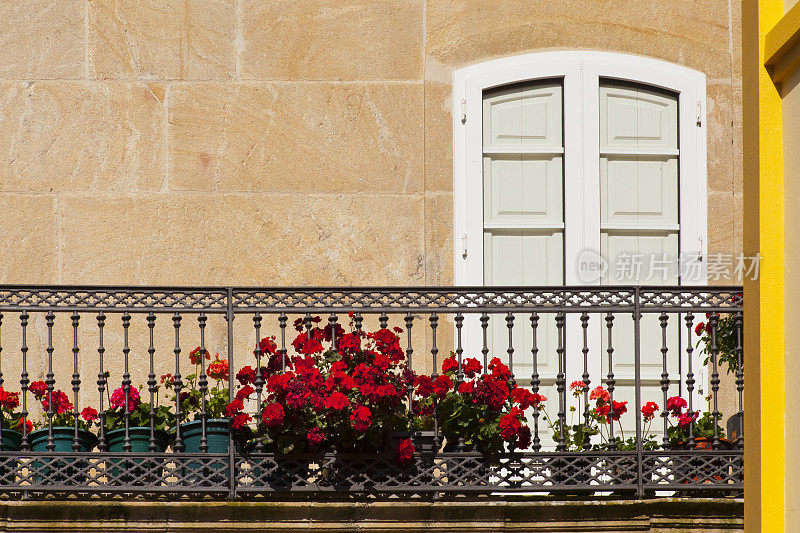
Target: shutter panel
523	215
639	220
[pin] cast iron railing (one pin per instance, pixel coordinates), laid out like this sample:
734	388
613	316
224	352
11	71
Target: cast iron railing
63	334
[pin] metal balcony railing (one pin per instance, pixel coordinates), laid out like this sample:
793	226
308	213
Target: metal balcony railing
637	344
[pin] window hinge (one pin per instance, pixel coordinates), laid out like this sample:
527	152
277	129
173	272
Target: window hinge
463	111
699	114
464	245
700	249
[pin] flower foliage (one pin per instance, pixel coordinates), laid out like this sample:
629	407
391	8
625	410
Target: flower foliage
55	404
338	389
726	341
486	410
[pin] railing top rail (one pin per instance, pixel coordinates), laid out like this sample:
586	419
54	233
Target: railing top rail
570	299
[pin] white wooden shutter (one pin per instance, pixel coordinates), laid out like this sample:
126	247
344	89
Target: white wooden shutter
523	215
639	226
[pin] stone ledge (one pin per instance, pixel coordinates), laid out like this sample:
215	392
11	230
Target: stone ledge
657	516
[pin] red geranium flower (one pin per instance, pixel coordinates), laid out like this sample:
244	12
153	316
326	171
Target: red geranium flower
38	388
28	426
442	385
601	395
89	414
273	414
240	420
404	452
675	405
337	401
118	398
361	418
349	342
424	386
450	364
315	436
194	355
9	400
218	370
468	387
471	367
649	410
684	419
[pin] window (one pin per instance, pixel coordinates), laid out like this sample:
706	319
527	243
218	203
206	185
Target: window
563	154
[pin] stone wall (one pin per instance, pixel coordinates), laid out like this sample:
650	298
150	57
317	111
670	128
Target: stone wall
305	142
286	142
656	516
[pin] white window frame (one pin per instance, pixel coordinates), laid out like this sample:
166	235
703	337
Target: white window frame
581	72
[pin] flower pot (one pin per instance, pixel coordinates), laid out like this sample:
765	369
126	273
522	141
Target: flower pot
136	471
218	439
698	470
11	442
60	470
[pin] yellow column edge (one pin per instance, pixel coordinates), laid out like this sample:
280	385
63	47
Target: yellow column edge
772	405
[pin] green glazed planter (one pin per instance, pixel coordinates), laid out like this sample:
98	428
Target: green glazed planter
136	471
12	442
218	440
60	470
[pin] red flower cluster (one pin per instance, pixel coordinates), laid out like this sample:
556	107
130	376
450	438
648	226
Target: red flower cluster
218	369
273	414
89	414
197	353
118	398
675	405
649	411
404	452
61	403
606	409
361	418
8	400
513	431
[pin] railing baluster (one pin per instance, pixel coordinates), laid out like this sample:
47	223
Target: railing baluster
177	384
24	380
1	373
102	381
561	383
50	381
637	384
282	319
460	371
434	322
535	379
332	322
410	383
259	380
510	351
663	319
690	381
76	379
714	321
585	378
610	381
126	382
152	384
202	384
738	324
485	349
